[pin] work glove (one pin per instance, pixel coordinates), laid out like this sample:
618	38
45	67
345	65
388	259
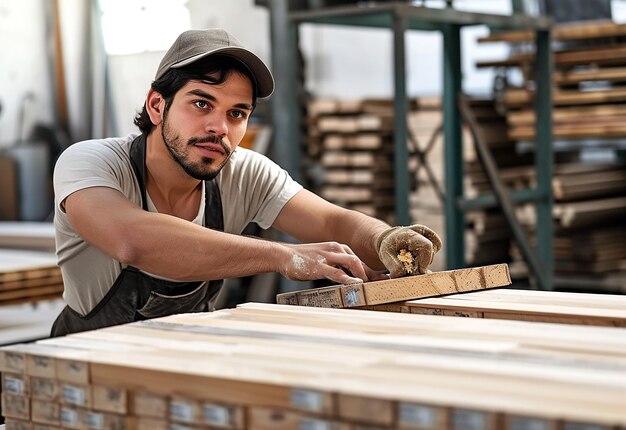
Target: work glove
407	250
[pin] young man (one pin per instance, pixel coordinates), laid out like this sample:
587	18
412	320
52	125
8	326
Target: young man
147	225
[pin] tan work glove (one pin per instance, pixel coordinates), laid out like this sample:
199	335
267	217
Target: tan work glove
395	244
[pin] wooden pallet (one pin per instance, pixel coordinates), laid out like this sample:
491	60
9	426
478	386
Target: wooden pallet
285	367
394	290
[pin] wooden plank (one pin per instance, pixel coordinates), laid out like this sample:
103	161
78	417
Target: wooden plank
543	306
27	235
586	212
46	412
567	114
17	384
422	417
570	77
394	290
355	124
31	293
563	191
45	389
563	31
515	97
572	131
280	419
54	280
223	416
14	424
18	407
366	410
148	404
361	141
109	399
613	54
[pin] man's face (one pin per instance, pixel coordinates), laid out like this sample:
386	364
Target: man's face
205	123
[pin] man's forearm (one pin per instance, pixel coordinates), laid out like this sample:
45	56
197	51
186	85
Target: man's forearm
361	232
177	249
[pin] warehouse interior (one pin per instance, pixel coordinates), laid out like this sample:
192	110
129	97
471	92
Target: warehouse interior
498	124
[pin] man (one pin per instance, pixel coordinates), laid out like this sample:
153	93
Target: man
131	213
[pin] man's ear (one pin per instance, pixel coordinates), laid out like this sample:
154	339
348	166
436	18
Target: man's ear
155	105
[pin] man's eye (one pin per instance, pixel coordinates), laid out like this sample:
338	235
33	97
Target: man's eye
201	104
238	114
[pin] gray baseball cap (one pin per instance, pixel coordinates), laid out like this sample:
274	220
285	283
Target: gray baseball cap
192	45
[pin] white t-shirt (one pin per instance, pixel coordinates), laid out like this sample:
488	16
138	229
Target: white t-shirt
252	187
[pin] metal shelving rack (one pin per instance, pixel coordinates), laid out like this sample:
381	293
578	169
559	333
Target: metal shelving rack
400	17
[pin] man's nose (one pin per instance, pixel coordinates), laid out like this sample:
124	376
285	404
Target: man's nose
217	124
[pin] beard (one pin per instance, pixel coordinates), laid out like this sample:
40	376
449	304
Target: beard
203	170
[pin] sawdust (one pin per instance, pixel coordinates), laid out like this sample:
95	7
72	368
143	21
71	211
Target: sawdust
407	260
298	262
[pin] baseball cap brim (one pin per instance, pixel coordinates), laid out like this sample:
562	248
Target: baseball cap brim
258	69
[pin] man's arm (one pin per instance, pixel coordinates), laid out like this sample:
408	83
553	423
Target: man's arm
178	249
309	218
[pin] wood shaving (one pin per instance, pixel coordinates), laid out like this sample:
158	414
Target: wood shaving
407	260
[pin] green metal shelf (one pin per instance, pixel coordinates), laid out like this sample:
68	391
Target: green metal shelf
400	17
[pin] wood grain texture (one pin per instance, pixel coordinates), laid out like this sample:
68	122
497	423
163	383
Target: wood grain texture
538	306
398	289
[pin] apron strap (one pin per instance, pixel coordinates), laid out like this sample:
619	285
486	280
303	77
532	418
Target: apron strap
213	214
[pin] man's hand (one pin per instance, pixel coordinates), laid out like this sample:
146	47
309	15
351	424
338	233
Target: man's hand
328	260
421	242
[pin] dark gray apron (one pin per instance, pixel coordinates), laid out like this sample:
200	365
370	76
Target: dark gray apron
137	296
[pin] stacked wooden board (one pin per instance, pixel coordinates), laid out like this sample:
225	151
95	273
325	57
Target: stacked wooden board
28	276
406	288
590	197
522	305
352	142
289	367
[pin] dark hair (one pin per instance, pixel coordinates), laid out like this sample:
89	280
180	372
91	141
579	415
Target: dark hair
174	79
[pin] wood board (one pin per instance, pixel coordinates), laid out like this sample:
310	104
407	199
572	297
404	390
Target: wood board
563	31
27	235
523	305
394	290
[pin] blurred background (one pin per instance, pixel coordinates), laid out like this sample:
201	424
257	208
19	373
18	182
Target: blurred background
72	70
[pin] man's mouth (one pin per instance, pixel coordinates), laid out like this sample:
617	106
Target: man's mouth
211	147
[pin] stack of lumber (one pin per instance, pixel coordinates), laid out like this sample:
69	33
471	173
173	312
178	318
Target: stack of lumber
588	212
28	276
276	367
589	97
589	104
521	305
394	290
353	143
